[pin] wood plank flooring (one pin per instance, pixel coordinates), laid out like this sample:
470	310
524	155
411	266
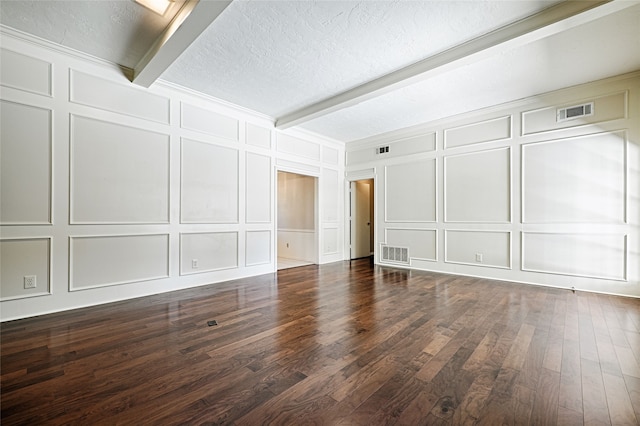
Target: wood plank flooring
340	344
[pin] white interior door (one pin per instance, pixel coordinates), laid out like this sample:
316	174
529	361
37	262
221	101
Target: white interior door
360	219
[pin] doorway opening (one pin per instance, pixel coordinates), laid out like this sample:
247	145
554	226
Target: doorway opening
297	220
362	218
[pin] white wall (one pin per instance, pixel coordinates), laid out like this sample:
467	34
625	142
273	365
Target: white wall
510	193
111	191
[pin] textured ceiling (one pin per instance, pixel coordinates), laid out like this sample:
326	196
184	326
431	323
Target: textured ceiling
280	57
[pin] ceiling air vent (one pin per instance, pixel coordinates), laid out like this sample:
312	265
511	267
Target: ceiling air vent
395	254
573	112
382	150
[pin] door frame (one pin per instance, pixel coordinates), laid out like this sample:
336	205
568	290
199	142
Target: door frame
353	177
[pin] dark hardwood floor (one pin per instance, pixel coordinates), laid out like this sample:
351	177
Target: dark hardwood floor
339	344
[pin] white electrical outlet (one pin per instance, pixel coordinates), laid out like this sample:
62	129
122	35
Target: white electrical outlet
479	257
194	263
29	281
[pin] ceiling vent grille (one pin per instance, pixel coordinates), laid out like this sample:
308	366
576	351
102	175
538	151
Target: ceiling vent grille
382	150
395	254
573	112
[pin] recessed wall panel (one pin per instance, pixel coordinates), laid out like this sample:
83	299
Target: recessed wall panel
20	258
296	146
478	187
484	131
410	192
258	195
330	156
258	136
258	250
25	164
330	240
211	251
422	243
205	121
478	248
587	255
119	174
575	180
25	73
96	92
209	183
330	196
99	261
605	108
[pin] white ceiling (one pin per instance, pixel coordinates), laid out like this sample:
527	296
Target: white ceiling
311	63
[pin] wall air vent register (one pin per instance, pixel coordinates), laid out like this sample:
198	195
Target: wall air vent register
573	112
395	254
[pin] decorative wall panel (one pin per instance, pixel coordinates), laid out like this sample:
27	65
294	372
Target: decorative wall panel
211	251
20	258
258	194
483	131
25	164
330	240
478	248
575	180
587	255
410	192
292	145
25	73
209	183
119	174
205	121
98	261
330	156
422	243
258	249
258	136
96	92
605	108
477	187
330	195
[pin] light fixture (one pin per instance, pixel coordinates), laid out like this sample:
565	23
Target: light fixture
158	6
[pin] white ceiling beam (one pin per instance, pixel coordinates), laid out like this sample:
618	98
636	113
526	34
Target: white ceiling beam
553	20
192	19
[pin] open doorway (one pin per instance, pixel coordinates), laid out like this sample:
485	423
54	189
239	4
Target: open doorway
297	220
362	218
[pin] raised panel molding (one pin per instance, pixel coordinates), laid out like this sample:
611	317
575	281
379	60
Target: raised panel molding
410	192
477	187
26	144
576	180
258	191
211	251
103	94
119	174
22	257
598	256
257	248
25	73
464	246
330	197
330	155
107	260
258	136
493	130
296	146
606	108
210	122
330	240
422	243
209	183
